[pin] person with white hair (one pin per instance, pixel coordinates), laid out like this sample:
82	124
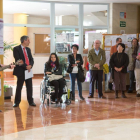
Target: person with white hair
96	59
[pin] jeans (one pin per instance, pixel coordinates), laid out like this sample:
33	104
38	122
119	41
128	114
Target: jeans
74	76
131	78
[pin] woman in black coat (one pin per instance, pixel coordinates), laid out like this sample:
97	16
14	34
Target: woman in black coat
75	61
119	62
52	66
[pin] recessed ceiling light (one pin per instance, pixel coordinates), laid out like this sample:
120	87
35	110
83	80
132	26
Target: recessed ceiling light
69	5
61	15
44	9
88	15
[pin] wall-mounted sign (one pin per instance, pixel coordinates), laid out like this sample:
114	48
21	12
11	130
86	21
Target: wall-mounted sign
122	31
122	23
122	15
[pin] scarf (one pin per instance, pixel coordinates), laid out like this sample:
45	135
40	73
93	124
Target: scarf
53	65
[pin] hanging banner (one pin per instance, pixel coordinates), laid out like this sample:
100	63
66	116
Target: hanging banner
1	37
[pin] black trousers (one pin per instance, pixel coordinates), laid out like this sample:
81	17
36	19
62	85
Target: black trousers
58	84
29	89
98	76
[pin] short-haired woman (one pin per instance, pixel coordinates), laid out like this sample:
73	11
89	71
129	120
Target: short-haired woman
75	60
52	66
119	62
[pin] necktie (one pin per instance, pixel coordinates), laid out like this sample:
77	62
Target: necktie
26	58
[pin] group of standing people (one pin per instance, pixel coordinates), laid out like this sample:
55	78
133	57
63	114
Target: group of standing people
120	63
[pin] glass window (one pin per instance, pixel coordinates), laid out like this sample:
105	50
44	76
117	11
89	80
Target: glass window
66	14
23	12
95	15
64	38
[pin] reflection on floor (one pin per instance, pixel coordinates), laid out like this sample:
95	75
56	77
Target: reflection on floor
101	119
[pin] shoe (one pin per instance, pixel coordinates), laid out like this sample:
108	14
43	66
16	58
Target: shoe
56	100
32	104
130	91
60	101
82	98
123	95
73	99
90	96
102	97
138	95
16	105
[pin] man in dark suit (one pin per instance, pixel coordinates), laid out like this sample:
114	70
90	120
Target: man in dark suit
22	52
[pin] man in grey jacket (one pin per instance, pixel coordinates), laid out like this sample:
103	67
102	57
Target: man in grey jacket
130	66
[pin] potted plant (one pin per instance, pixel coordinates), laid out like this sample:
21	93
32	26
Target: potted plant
8	90
62	61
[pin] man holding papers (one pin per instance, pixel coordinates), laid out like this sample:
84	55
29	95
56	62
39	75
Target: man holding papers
23	72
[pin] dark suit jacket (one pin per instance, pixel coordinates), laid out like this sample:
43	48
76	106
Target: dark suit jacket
71	61
18	54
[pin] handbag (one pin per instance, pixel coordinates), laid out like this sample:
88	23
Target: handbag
81	76
54	77
69	69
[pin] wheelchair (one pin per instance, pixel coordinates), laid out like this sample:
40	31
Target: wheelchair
47	92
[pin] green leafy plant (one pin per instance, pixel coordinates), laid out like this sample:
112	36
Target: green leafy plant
8	46
62	61
5	87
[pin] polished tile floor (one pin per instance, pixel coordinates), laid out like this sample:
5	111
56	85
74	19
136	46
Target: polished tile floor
98	119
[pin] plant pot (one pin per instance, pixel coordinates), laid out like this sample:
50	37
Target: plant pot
8	93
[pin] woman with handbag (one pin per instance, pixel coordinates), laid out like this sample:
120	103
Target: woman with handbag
75	63
52	66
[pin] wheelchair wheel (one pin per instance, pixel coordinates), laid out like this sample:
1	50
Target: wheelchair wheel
42	92
68	101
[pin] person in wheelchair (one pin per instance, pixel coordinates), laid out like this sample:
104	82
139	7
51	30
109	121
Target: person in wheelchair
52	66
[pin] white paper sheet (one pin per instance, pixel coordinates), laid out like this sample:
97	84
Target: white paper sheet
130	37
107	40
124	39
61	37
28	75
107	56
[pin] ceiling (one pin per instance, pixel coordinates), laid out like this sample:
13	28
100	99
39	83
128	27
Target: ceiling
41	8
90	1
